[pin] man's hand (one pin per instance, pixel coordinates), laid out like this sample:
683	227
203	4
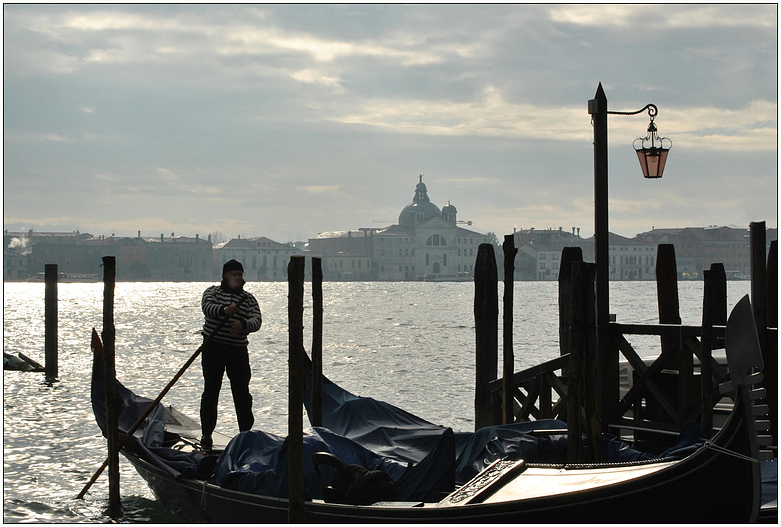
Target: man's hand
232	309
235	328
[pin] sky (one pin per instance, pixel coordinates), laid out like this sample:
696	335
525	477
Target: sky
286	121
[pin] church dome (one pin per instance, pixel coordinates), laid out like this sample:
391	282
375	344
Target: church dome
449	213
420	210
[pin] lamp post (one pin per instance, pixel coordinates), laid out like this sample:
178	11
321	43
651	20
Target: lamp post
652	160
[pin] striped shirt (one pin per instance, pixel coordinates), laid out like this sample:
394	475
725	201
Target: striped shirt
215	300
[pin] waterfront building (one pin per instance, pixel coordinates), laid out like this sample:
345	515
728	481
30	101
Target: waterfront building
177	258
631	258
263	259
539	251
426	244
696	248
69	250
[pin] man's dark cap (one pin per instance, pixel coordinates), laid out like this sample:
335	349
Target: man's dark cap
232	265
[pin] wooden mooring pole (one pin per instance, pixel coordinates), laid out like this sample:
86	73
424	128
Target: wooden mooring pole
679	357
762	276
317	342
568	256
113	402
295	274
771	366
575	346
759	283
583	387
51	366
486	309
706	348
508	362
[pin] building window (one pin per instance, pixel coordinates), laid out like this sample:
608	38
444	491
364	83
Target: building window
436	240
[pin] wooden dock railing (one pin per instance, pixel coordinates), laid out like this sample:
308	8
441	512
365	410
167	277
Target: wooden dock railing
660	395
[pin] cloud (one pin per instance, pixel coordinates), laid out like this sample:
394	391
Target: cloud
320	117
661	16
319	189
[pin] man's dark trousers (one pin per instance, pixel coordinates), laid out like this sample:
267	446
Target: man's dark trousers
217	359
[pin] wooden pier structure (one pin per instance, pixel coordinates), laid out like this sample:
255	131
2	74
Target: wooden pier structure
679	385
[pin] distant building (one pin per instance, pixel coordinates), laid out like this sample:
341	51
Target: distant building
539	251
696	248
426	244
66	249
263	259
631	258
161	259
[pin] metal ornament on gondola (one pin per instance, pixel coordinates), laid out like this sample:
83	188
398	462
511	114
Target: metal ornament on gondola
654	156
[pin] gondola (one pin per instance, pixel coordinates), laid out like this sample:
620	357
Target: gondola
714	480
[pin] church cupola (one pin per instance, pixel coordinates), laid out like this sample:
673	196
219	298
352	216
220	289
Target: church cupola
449	213
420	210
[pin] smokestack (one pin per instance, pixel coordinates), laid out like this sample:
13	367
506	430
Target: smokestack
196	236
161	237
139	234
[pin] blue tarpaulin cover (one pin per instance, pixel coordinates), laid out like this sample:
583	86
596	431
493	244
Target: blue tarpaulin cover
424	459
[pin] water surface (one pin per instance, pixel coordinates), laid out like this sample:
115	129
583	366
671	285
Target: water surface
410	344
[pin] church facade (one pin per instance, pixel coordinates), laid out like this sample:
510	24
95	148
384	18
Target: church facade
426	244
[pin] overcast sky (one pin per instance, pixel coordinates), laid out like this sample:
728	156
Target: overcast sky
286	121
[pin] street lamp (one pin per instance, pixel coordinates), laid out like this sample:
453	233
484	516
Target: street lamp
652	161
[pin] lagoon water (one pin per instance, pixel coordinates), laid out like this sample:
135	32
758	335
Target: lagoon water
410	344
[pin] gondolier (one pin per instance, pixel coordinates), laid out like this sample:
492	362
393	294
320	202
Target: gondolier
228	351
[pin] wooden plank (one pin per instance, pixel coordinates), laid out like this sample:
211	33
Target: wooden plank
487	482
530	374
667	330
646	378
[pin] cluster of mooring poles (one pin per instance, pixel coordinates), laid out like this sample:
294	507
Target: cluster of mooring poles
663	394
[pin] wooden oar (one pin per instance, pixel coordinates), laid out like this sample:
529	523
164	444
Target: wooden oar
154	403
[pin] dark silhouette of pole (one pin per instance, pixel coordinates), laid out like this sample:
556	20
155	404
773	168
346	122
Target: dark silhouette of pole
295	463
50	320
317	342
113	402
508	356
486	310
597	107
